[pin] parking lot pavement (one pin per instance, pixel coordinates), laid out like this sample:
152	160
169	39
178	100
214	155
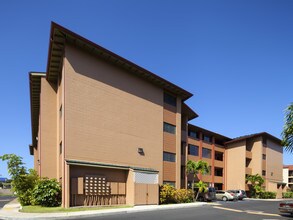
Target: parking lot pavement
5	199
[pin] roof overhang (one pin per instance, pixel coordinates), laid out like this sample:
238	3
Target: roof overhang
31	149
35	89
188	112
208	132
60	36
261	134
113	166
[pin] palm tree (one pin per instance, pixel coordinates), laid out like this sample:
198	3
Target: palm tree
196	168
202	187
256	183
287	134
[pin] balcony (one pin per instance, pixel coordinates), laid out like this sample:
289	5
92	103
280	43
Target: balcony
248	170
218	179
248	154
219	163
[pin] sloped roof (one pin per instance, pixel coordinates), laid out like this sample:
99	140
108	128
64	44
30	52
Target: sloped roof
188	111
35	89
60	36
264	134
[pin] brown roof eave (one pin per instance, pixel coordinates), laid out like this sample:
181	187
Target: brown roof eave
209	132
34	114
145	74
265	134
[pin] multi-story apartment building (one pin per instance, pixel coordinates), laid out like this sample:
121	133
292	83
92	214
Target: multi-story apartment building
111	131
259	153
288	176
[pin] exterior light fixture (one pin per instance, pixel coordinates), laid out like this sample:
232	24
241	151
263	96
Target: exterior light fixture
140	151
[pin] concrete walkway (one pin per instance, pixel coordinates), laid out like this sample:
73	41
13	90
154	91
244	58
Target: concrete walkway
11	211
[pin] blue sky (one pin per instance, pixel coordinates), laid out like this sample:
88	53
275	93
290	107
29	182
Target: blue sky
236	57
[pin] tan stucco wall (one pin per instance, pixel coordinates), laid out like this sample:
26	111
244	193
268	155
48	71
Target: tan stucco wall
48	131
109	113
256	162
178	143
130	188
274	164
235	165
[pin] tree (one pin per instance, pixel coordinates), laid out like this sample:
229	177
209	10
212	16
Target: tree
22	182
256	182
196	168
202	187
287	133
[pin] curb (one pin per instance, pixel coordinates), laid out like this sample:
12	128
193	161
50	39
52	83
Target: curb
13	213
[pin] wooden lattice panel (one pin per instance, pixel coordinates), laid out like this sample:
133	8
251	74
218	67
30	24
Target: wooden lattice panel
96	185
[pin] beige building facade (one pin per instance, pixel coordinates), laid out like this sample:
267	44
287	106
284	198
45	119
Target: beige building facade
111	132
288	176
259	153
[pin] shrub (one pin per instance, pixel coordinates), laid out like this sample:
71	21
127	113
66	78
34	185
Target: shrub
23	186
287	195
47	192
183	196
267	195
167	194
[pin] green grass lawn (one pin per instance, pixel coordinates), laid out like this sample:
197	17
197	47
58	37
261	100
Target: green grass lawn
40	209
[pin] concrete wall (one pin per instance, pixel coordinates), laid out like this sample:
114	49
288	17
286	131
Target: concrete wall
109	114
235	165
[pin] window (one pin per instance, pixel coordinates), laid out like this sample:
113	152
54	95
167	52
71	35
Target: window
207	138
206	153
60	148
192	150
218	171
169	99
219	155
169	128
264	157
171	183
60	112
193	134
169	157
264	173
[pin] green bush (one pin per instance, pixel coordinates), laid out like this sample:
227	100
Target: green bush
287	195
23	186
183	196
167	194
47	192
267	195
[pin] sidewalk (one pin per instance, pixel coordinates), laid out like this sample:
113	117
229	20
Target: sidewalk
10	211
